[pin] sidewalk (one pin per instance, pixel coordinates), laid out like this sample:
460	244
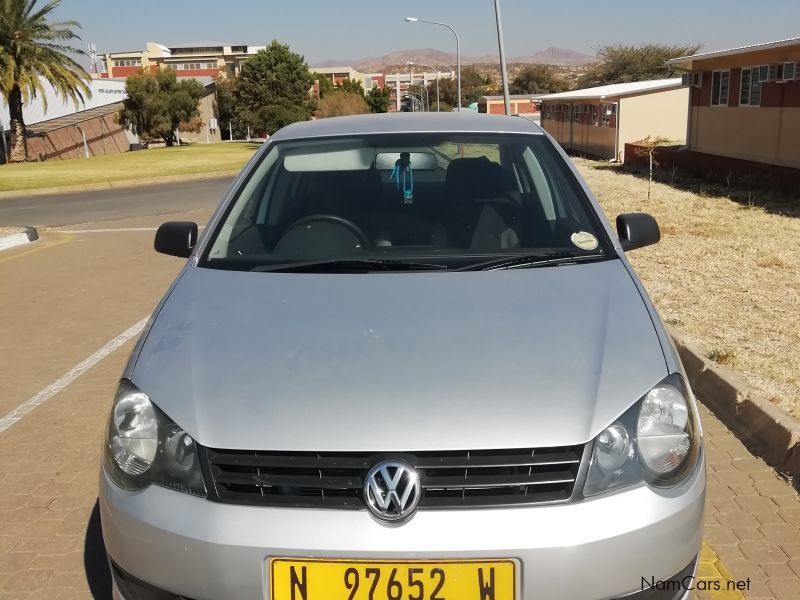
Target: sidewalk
752	520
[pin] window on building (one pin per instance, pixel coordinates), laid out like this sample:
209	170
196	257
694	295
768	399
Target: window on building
609	112
750	93
135	62
785	71
576	112
194	66
594	115
720	85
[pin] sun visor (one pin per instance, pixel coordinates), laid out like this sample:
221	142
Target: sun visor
328	159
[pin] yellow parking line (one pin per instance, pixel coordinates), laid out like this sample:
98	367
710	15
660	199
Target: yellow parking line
714	577
39	247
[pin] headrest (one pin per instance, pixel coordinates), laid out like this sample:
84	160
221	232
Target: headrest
473	179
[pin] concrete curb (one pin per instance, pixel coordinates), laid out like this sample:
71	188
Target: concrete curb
26	236
761	425
122	183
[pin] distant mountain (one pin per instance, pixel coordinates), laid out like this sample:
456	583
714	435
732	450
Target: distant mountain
347	62
423	56
437	58
557	56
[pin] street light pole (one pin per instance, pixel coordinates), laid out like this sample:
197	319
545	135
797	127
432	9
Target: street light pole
410	81
503	69
438	102
414	96
427	95
458	51
410	63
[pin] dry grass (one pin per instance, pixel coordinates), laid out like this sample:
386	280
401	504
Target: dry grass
726	273
10	230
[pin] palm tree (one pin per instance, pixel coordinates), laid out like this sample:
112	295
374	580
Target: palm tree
32	49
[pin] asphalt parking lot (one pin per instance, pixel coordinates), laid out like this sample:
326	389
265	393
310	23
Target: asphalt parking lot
71	305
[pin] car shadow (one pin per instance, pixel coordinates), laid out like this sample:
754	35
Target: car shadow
95	562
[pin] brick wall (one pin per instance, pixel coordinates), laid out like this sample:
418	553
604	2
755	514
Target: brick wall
714	167
103	136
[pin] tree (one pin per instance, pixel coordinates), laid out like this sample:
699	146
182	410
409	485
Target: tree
647	147
340	104
158	104
325	86
622	64
378	99
473	86
225	110
537	79
443	107
351	86
273	87
31	47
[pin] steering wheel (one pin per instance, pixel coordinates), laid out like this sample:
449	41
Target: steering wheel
354	229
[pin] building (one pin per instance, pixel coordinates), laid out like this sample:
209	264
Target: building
745	105
338	75
601	120
404	82
521	104
209	128
401	84
64	130
205	58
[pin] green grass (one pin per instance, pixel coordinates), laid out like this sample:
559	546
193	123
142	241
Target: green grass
145	164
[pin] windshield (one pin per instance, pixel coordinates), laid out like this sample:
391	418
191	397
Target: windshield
427	201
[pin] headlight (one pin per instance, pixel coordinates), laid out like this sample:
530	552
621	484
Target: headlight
133	431
663	430
144	446
656	441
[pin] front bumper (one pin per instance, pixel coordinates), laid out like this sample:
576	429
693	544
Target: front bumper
591	550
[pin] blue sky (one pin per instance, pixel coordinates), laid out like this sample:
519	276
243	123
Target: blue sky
346	29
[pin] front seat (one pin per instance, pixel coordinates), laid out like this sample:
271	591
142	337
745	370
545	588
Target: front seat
482	216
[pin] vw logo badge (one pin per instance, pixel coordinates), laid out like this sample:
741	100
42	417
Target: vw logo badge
392	490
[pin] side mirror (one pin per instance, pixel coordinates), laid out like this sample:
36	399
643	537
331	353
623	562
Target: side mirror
176	238
637	230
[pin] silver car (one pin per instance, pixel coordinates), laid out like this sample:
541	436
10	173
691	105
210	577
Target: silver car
407	359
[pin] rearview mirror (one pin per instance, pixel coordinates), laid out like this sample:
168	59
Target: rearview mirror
637	230
176	238
419	161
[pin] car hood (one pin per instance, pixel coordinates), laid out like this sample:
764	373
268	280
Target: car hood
400	361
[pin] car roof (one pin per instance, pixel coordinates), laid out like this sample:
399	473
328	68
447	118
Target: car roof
401	122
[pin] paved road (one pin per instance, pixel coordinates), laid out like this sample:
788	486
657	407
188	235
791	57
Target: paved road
83	288
114	203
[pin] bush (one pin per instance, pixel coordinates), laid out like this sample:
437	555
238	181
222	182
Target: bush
340	104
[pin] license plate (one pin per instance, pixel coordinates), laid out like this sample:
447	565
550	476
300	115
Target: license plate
308	579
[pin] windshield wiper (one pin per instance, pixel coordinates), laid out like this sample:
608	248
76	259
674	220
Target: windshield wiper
531	260
349	265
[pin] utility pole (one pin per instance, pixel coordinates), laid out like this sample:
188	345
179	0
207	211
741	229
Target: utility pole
503	69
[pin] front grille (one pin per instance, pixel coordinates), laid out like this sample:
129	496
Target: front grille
449	479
